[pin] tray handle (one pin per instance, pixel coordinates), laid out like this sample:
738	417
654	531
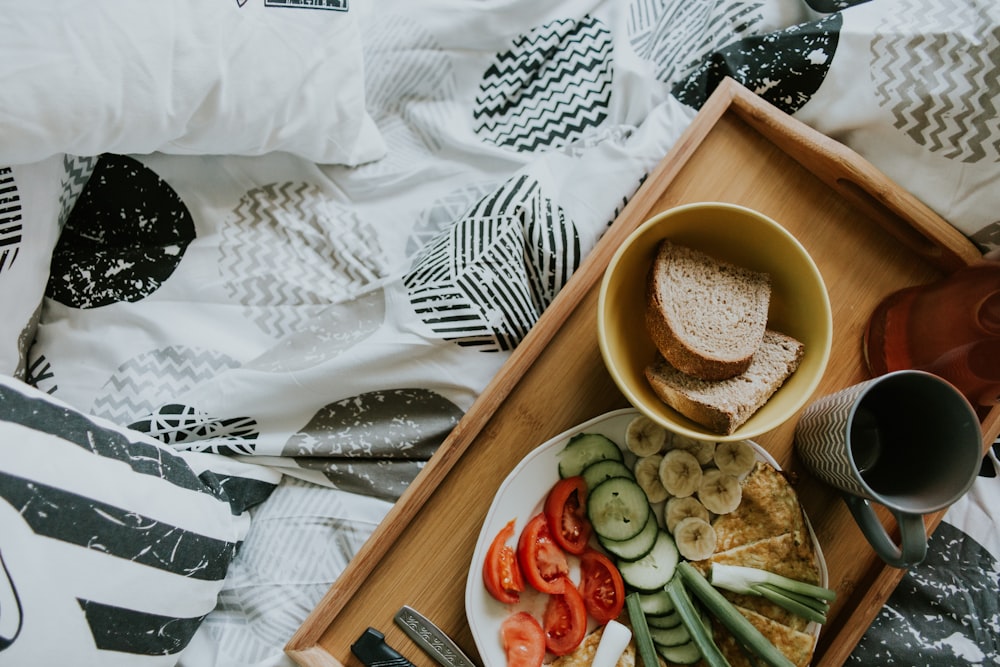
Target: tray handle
897	211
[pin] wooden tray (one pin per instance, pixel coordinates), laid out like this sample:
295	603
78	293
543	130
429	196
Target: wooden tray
868	237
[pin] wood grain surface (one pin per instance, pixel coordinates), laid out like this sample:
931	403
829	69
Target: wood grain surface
868	237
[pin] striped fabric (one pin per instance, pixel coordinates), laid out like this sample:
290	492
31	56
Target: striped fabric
108	535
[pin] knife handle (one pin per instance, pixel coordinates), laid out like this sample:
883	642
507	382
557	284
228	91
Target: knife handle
371	649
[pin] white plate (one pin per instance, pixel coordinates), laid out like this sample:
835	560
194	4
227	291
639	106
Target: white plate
521	497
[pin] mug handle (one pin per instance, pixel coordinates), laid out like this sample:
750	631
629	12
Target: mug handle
913	535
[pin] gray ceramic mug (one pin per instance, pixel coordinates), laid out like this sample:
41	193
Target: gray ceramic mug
906	440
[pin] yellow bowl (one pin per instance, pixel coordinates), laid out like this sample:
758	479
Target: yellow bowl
800	306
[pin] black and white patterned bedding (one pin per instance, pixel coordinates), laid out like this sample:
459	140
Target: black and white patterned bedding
317	325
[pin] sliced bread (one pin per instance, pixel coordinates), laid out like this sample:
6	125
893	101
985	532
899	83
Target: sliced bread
705	316
724	405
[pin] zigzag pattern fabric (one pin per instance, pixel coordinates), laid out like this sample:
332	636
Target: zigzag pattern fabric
408	80
942	94
322	254
78	170
144	382
820	436
549	89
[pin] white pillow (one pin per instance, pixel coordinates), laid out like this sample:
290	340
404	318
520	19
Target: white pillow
186	76
113	547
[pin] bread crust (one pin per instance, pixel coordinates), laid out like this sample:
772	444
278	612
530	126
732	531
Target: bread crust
744	327
722	406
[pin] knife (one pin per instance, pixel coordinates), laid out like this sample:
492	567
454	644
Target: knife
371	649
431	638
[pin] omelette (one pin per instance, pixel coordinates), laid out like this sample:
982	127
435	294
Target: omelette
796	645
767	531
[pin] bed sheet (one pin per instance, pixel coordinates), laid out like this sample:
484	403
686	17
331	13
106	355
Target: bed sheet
333	323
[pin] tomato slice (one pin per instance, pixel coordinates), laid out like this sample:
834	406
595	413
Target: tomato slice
523	640
501	573
543	562
564	621
601	586
566	511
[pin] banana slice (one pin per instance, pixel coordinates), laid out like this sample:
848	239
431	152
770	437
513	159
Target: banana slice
735	458
695	538
647	475
703	450
680	473
678	509
644	437
719	492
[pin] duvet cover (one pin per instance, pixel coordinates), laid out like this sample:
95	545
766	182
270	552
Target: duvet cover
258	257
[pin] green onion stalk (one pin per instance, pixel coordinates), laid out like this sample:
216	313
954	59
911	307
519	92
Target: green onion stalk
640	630
702	637
806	600
737	624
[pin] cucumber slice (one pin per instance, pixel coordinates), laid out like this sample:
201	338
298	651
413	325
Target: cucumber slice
656	604
605	469
618	509
674	636
682	654
636	547
668	620
584	449
655	569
